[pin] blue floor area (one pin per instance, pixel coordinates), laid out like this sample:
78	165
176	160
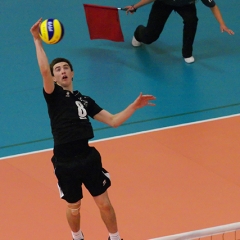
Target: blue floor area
115	73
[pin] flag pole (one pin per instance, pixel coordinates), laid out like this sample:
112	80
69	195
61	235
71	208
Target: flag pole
125	9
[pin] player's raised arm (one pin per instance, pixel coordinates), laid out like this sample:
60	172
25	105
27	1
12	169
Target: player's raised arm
48	82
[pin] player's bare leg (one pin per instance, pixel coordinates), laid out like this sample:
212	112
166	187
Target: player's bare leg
107	212
73	218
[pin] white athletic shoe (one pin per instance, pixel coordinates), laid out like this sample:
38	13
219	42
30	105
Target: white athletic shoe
136	43
189	60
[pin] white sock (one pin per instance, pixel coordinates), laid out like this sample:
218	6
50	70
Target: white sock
114	236
77	235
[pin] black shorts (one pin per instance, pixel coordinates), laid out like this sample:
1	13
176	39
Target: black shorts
86	169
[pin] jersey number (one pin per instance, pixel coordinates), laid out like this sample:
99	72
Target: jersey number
82	113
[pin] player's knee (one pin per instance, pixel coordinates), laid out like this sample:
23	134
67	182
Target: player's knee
75	212
74	208
105	206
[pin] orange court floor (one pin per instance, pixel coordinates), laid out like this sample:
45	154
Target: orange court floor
164	182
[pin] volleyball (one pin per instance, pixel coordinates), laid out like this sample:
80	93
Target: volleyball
51	31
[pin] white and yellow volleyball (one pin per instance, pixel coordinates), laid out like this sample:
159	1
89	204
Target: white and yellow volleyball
51	31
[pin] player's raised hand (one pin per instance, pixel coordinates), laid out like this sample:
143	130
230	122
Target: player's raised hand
35	29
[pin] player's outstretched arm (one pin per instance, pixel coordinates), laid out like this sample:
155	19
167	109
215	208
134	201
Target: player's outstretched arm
48	82
115	120
217	14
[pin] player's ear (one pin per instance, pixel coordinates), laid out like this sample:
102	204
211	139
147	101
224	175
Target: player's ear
72	75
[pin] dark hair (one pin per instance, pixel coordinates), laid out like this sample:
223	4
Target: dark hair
57	60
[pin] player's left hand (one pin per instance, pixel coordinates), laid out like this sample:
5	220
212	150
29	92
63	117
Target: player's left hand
144	100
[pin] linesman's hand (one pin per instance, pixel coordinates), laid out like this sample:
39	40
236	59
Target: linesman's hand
130	9
224	28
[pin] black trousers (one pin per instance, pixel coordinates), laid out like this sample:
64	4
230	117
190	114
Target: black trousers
157	19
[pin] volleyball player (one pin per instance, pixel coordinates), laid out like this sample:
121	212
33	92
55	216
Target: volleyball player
74	161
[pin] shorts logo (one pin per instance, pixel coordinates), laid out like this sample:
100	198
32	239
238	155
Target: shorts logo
104	182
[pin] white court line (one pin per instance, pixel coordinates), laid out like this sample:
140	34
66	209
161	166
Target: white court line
130	134
206	232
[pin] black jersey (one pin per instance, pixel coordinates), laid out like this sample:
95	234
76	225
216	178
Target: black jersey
208	3
68	113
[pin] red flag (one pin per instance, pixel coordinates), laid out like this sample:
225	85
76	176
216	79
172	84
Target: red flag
103	23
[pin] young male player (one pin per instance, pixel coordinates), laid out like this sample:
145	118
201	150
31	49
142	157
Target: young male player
74	161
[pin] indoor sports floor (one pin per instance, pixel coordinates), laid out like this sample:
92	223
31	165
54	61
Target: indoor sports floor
174	167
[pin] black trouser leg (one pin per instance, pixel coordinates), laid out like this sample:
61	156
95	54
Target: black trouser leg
156	21
190	21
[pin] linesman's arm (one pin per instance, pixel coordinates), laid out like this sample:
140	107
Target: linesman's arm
133	8
217	14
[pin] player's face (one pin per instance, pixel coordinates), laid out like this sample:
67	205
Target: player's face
63	74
